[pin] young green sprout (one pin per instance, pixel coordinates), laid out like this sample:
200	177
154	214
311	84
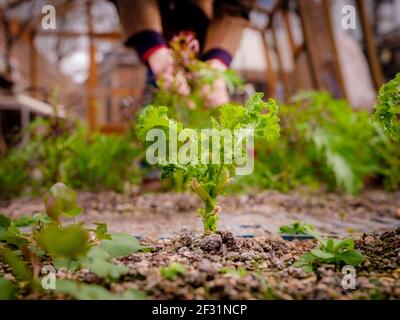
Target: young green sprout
330	251
208	178
297	227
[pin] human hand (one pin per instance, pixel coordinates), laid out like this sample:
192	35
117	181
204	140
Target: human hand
215	94
161	63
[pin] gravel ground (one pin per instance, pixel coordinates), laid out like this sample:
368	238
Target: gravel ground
249	261
264	269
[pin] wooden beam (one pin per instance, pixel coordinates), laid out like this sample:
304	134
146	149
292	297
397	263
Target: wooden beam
286	20
116	92
370	43
270	75
92	76
72	34
33	64
25	119
335	55
3	144
298	50
114	128
311	51
281	71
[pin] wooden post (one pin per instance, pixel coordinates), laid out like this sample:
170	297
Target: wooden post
33	64
25	119
92	76
371	49
281	71
335	55
309	47
270	74
289	30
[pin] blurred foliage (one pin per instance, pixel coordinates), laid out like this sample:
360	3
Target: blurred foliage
14	174
7	290
61	150
74	247
173	271
297	227
84	291
324	141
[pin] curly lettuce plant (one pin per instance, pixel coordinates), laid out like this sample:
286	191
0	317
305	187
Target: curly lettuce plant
209	179
387	109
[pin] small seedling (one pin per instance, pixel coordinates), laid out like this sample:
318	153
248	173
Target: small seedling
172	271
330	251
61	200
240	272
297	227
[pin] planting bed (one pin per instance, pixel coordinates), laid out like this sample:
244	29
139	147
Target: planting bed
250	260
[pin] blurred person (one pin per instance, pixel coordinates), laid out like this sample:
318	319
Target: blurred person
149	25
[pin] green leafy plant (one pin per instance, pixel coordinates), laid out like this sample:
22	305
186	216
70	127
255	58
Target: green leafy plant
121	244
69	242
36	219
172	271
387	108
14	176
209	180
328	144
330	251
16	262
96	161
7	289
64	150
61	200
101	231
73	246
98	260
297	227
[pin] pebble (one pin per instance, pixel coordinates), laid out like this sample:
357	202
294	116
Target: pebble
369	240
212	242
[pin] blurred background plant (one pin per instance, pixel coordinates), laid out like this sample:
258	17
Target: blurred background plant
63	150
324	141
